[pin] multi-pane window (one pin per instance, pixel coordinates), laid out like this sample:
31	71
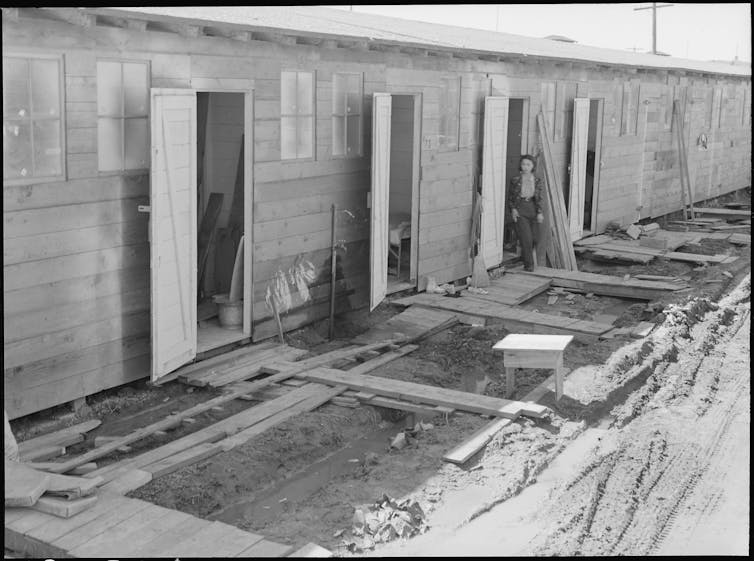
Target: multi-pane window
32	118
346	114
296	115
122	115
450	110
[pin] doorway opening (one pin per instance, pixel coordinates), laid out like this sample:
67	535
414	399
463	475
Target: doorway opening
516	146
220	203
594	141
402	194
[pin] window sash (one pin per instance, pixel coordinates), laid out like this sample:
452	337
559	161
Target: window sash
291	112
32	119
348	99
122	117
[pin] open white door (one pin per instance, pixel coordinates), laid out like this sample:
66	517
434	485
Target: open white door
493	179
381	113
579	141
173	229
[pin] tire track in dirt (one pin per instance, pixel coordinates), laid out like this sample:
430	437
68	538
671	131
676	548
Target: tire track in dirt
631	495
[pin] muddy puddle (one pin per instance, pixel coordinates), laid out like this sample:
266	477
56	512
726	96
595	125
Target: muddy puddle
274	502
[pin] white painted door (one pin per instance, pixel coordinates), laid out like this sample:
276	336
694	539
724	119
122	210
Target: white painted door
579	140
173	229
493	179
380	197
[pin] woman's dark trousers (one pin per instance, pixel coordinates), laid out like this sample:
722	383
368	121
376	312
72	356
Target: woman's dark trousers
527	228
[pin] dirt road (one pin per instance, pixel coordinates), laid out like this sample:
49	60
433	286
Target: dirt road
667	472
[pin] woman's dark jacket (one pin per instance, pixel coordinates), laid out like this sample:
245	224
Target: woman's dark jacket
514	194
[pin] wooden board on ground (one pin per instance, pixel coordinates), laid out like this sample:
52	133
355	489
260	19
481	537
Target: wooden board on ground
64	508
513	319
43	453
212	433
740	239
513	289
409	323
187	457
422	393
254	368
63	437
311	550
461	453
23	485
185	373
175	419
128	481
320	396
724	212
605	284
599	254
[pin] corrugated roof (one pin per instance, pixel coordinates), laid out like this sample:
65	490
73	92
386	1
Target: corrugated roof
328	22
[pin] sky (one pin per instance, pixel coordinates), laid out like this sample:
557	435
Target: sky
686	30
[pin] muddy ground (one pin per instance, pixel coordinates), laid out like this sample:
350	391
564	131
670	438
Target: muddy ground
665	472
301	481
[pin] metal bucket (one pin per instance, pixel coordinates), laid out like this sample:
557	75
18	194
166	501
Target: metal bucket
229	313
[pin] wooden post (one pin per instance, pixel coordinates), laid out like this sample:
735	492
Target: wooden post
510	381
559	379
332	277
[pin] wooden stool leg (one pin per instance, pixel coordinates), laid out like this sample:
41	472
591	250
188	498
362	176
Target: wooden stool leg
558	382
510	381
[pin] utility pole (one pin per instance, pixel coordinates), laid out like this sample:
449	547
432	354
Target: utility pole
654	7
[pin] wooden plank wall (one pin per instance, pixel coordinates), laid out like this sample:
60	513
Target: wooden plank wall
76	256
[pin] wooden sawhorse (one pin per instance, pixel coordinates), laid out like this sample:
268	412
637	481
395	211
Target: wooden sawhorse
532	351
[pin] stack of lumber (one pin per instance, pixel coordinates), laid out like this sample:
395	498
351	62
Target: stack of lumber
607	285
627	251
562	255
60	495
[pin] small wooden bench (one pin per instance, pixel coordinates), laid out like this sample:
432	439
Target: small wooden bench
532	351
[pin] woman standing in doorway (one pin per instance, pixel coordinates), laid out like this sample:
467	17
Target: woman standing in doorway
525	202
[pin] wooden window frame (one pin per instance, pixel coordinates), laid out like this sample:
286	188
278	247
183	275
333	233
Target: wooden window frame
61	117
123	117
345	154
313	116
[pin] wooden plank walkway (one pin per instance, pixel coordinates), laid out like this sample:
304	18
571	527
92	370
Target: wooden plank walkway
513	319
513	289
422	393
411	323
605	284
118	526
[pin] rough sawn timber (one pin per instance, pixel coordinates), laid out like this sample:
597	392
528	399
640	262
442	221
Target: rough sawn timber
409	391
173	420
605	284
513	319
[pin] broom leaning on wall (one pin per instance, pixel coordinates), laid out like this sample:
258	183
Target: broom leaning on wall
479	276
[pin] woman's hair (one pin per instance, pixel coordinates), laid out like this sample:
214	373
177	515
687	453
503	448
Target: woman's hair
531	159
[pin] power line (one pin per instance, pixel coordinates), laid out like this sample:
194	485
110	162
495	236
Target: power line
654	7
